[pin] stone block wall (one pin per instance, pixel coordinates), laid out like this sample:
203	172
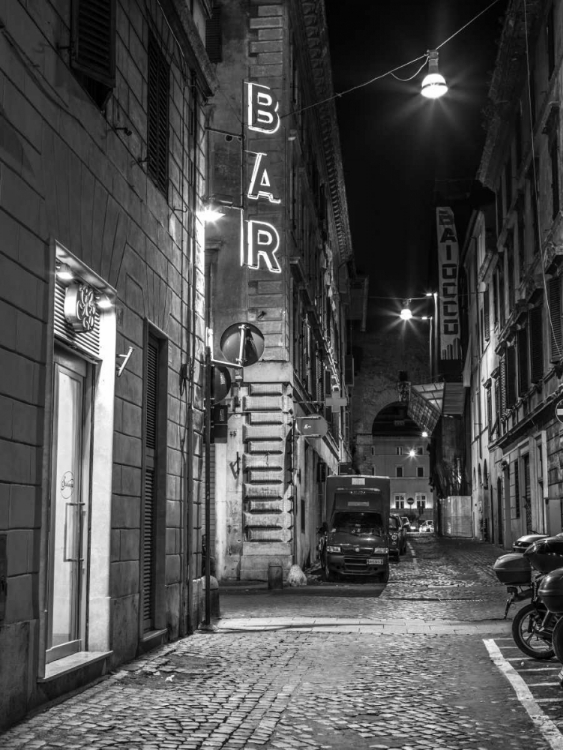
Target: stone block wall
70	175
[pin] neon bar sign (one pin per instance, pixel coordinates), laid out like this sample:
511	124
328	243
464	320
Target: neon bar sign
260	239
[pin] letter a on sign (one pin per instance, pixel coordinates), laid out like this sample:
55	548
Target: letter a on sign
260	183
263	242
262	109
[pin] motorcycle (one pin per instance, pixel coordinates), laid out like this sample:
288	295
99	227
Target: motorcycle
533	625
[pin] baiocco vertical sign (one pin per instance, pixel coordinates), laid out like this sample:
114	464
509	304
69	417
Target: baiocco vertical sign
448	261
260	240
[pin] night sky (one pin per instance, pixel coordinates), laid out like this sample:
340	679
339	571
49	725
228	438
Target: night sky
396	143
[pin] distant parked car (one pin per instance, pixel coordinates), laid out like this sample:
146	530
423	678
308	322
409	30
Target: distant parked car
523	542
409	525
426	527
397	536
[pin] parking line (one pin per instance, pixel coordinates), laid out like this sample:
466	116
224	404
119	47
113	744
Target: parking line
543	723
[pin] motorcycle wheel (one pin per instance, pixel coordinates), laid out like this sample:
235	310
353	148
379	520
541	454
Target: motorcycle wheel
557	639
525	624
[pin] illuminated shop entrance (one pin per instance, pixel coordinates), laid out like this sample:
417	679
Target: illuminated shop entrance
69	507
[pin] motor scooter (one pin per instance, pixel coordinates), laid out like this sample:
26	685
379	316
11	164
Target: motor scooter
533	624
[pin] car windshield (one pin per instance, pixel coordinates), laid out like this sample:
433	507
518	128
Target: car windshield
358	523
393	523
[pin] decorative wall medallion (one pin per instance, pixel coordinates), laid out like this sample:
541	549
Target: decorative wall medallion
67	484
80	307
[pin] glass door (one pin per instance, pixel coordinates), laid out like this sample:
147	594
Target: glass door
68	509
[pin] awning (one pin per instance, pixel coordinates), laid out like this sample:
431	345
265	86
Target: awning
425	405
428	402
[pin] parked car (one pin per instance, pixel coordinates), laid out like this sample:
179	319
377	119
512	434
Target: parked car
426	527
397	536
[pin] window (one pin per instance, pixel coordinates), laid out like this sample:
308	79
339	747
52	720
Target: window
523	361
489	410
550	41
499	206
486	315
516	489
554	158
157	115
512	282
398	471
536	344
551	129
213	40
399	500
92	56
510	364
556	337
420	471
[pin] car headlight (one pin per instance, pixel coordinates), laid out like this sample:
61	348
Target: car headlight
380	551
329	548
394	536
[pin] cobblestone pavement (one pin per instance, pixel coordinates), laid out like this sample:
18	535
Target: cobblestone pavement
288	689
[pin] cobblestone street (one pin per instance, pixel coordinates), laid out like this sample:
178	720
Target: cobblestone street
348	666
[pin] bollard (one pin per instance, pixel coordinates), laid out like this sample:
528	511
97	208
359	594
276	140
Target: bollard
275	576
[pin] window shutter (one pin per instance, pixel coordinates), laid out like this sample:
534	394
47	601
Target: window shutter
158	115
487	315
93	39
523	362
556	338
149	499
502	374
213	41
536	344
510	376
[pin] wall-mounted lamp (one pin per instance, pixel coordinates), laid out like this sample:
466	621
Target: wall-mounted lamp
209	213
64	273
103	302
434	84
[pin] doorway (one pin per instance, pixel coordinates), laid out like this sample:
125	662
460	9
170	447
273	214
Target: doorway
68	548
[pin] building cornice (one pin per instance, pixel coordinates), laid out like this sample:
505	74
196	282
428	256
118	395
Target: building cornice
311	18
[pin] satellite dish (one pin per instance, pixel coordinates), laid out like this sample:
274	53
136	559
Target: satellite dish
242	344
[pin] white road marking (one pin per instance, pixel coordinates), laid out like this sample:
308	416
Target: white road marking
543	723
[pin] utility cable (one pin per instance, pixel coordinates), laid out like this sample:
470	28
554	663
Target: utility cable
393	70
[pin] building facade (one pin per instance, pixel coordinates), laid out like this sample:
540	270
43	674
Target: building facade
102	158
280	259
512	265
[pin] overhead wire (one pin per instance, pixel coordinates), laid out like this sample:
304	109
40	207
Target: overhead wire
391	72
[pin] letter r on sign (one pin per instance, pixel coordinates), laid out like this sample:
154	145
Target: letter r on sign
263	242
